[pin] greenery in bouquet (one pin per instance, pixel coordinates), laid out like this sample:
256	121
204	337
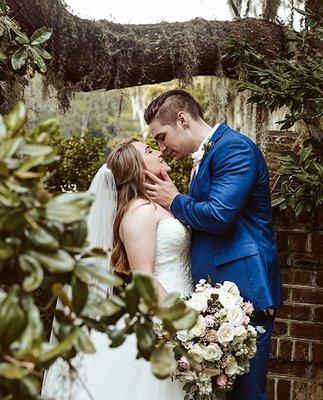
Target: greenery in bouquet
220	345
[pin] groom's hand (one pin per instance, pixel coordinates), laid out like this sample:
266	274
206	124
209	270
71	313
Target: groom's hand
161	191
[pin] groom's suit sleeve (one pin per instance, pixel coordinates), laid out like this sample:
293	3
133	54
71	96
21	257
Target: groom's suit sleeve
234	173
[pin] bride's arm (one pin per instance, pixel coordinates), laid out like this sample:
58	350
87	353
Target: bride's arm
139	231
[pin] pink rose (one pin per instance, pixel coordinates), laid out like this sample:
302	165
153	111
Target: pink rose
209	320
248	307
222	380
246	320
184	363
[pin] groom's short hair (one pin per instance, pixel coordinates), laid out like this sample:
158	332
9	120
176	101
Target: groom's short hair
167	105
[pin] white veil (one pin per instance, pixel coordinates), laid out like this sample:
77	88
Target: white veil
101	218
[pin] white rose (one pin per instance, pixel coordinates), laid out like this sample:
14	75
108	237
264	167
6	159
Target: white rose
241	333
197	352
226	333
235	316
227	299
199	328
232	367
198	301
212	352
231	287
184	336
204	384
202	285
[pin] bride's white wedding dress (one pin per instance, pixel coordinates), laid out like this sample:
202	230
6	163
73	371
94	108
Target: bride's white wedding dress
115	374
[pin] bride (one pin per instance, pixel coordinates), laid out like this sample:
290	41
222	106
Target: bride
146	238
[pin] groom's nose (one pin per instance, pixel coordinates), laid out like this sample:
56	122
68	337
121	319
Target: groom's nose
162	147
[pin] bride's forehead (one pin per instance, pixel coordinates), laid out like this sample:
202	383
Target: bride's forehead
140	146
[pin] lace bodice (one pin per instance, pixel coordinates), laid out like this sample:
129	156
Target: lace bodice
173	261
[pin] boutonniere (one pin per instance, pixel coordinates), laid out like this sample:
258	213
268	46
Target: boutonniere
200	153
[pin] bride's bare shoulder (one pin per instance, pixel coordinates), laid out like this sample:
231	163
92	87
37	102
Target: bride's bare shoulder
141	209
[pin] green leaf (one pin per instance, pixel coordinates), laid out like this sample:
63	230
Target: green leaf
41	36
62	347
103	308
35	150
41	239
277	200
98	273
84	343
16	119
187	321
131	299
59	262
32	267
145	287
16	29
3	6
80	293
146	339
38	58
69	207
117	337
11	371
163	362
6	251
19	58
299	208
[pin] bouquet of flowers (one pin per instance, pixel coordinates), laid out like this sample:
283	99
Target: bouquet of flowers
221	343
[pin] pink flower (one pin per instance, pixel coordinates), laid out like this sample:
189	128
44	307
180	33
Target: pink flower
246	320
248	307
222	380
209	320
184	363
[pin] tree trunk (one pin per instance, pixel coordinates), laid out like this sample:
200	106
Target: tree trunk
89	55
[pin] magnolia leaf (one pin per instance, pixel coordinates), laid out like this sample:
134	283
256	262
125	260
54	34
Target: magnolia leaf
187	321
32	267
146	339
260	329
16	118
98	273
41	239
38	58
19	58
80	293
84	343
11	371
62	347
41	36
58	262
145	287
34	150
69	207
163	362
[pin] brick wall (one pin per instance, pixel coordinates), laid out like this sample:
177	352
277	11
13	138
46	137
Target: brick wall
296	365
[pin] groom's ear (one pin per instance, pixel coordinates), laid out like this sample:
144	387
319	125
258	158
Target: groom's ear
182	119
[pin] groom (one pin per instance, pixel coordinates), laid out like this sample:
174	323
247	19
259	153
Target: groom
229	211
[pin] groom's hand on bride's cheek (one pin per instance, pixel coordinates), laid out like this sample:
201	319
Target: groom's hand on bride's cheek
161	191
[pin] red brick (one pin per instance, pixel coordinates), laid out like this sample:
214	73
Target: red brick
285	349
295	311
319	278
306	295
282	241
286	293
294	276
273	347
317	243
302	351
298	242
317	350
288	368
318	314
305	260
271	389
307	330
283	389
280	328
301	390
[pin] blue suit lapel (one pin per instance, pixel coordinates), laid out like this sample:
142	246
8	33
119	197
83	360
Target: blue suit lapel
215	137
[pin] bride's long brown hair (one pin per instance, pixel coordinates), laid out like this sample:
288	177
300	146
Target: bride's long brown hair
127	167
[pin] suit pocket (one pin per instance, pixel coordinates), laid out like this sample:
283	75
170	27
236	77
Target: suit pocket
225	256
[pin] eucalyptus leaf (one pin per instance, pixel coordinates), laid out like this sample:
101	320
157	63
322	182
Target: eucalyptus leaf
163	361
32	267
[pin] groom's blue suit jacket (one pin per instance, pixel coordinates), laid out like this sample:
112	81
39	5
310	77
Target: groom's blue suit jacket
229	211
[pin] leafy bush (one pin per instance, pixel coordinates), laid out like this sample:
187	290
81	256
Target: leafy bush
302	186
19	53
80	158
43	244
